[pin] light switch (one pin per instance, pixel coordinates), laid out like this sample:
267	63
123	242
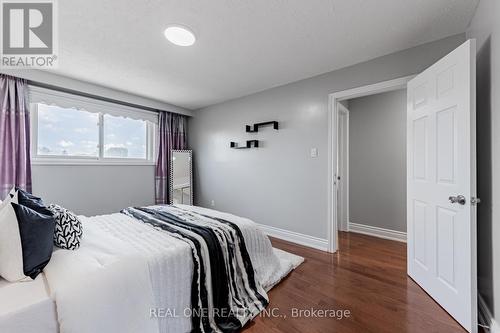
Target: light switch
314	152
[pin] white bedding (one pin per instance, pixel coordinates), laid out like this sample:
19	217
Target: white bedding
26	307
125	268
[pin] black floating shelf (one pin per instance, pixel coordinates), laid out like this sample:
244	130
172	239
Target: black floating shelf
249	144
255	127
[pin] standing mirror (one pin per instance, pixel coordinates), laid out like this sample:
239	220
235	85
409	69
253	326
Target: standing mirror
181	175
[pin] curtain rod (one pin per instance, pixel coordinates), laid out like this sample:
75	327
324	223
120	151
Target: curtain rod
97	97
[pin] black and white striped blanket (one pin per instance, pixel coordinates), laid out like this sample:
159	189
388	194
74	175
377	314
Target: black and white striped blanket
225	294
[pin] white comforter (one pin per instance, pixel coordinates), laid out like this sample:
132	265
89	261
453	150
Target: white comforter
130	277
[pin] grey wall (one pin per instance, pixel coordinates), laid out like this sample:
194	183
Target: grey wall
279	184
485	27
52	79
94	189
377	160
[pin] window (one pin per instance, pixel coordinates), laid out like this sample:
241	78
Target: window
67	132
74	130
125	138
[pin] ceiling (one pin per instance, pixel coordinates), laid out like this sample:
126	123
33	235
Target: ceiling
243	46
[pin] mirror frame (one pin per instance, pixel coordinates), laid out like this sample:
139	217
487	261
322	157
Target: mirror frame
171	182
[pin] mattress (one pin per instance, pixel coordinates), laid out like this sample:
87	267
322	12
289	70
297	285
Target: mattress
26	307
94	279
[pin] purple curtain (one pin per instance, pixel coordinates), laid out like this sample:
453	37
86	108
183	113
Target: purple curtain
172	135
15	161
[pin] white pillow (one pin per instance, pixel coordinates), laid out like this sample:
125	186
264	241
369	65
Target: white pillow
8	200
11	193
11	252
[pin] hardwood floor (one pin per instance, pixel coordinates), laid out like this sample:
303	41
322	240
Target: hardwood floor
367	277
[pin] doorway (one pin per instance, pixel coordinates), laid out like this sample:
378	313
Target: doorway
441	179
372	135
339	123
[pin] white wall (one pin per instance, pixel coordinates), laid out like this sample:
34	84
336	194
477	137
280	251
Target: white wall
485	27
279	184
94	189
377	158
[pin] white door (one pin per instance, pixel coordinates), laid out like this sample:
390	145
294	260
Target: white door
342	173
441	157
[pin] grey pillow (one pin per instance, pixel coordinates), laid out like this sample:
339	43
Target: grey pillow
68	229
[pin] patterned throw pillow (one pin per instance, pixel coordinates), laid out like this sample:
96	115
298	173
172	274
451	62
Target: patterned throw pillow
68	231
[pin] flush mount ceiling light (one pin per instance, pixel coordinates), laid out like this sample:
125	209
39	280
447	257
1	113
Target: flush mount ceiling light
180	35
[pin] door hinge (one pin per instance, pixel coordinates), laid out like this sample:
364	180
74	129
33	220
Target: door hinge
475	201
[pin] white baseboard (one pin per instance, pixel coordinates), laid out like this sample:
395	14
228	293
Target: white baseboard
486	316
377	232
295	237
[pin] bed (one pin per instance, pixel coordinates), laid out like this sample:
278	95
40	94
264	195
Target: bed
20	301
127	276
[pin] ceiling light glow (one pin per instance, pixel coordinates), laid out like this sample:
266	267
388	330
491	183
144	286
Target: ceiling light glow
180	35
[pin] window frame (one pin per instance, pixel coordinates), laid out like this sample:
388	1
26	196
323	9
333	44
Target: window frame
63	100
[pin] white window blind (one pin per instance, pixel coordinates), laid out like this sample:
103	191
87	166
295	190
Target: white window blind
70	101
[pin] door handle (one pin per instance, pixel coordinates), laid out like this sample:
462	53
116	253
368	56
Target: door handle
460	199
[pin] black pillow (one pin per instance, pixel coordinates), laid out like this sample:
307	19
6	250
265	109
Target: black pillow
37	233
29	200
26	193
